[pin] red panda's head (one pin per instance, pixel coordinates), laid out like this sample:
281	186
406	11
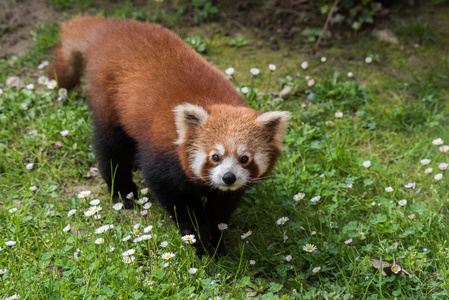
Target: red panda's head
228	147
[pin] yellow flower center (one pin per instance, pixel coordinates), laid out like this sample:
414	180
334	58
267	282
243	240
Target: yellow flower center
395	269
309	248
137	231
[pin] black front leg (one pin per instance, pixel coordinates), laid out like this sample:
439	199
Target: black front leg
189	215
219	208
115	152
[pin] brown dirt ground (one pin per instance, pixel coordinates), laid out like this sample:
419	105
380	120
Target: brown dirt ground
21	19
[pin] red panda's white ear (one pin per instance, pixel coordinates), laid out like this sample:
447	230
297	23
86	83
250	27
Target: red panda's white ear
188	116
275	122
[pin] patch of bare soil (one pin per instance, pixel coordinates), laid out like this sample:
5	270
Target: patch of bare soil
18	20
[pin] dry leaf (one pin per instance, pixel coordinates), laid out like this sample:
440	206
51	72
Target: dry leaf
15	81
386	268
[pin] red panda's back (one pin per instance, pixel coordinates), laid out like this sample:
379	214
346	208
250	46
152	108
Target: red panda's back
138	72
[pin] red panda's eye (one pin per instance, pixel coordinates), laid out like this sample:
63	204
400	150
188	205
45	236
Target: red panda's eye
244	159
215	158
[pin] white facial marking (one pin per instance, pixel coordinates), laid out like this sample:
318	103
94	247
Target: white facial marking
220	149
241	150
262	161
229	164
197	160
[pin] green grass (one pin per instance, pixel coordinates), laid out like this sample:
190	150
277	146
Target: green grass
388	118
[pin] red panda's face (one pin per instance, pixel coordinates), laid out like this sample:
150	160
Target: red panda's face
228	147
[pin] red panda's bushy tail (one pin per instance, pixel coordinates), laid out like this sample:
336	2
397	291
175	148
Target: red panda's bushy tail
67	65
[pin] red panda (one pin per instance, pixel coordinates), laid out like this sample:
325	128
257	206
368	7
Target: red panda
159	106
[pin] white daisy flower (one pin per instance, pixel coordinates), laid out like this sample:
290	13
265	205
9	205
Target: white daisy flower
83	194
288	258
304	65
164	244
443	166
147	229
444	148
437	142
94	202
245	235
244	90
111	249
395	268
338	114
254	71
193	270
298	196
323	59
30	86
95	209
71	212
309	248
147	205
126	238
2	271
315	199
99	241
29	166
168	255
347	242
230	71
89	213
350	74
425	161
12	210
310	82
428	170
316	269
252	262
137	240
128	259
143	200
43	80
42	64
100	230
67	228
117	206
13	297
272	67
367	164
222	226
146	237
282	220
410	185
62	92
369	60
94	171
130	196
438	176
402	202
10	243
52	84
33	188
64	132
129	252
389	189
189	239
144	191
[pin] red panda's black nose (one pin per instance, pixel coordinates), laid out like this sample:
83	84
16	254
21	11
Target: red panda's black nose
229	178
